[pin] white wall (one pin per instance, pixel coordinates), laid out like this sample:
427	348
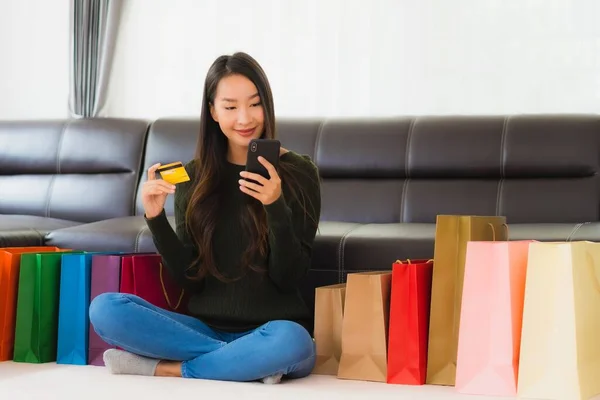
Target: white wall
34	63
366	58
323	57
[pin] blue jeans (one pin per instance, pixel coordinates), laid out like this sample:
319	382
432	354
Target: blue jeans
277	347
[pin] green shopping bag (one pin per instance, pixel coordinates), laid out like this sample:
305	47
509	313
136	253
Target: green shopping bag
36	328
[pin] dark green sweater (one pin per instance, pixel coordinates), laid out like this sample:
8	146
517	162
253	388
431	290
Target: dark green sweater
255	298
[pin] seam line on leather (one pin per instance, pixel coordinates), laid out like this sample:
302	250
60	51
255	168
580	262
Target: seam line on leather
503	147
407	150
53	179
60	144
499	195
141	174
137	239
317	140
341	251
404	189
574	231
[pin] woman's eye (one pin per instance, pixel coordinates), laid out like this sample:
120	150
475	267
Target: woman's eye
230	108
256	104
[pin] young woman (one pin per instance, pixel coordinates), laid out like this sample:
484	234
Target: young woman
241	246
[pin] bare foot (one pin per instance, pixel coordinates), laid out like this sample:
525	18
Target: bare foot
168	368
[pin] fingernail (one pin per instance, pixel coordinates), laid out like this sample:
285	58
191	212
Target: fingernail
242	173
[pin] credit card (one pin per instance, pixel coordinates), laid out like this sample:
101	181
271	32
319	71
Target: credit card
173	173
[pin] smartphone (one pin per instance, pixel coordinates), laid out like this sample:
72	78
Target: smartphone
268	149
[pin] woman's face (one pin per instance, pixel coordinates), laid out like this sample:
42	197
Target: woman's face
238	110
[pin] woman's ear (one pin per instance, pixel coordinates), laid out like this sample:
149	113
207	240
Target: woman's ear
213	113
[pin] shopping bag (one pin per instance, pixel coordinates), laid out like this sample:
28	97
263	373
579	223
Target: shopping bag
105	278
409	321
145	276
489	337
329	313
36	327
10	260
73	313
452	232
560	346
365	327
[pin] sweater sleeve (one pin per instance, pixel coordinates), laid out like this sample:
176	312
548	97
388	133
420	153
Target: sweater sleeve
292	227
175	246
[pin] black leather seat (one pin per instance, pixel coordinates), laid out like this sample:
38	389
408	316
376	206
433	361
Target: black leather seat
58	174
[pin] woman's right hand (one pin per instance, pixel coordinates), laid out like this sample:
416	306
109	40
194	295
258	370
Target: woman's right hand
154	193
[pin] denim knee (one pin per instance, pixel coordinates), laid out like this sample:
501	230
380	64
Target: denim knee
292	337
104	311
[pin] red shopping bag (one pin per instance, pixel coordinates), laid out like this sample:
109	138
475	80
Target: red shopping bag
409	321
145	276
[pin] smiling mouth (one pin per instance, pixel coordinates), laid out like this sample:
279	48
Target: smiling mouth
245	132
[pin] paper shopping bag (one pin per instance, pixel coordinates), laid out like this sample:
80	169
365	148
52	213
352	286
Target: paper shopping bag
36	327
560	345
489	337
452	232
144	275
329	313
10	260
409	321
365	327
105	278
73	312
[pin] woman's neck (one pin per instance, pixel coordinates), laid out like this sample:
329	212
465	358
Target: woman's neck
237	155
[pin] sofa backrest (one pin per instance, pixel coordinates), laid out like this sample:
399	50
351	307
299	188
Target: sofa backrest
79	170
169	140
531	169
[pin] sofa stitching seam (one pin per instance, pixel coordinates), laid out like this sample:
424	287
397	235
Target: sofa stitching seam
402	199
53	179
574	231
407	150
341	257
503	148
318	139
137	239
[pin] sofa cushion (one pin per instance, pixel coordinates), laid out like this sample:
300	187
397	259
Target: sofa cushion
28	230
116	234
374	247
21	238
81	170
377	246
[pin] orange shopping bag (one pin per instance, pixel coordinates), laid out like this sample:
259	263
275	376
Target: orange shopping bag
10	258
491	316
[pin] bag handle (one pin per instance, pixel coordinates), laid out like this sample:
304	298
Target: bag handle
494	231
408	261
162	283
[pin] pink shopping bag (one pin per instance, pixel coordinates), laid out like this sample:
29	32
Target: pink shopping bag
491	317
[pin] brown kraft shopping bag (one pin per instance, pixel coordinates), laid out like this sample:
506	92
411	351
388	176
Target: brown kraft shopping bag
365	326
452	232
329	314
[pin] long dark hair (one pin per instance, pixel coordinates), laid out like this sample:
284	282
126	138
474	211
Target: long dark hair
211	152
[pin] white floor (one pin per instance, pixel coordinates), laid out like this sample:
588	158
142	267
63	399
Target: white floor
64	382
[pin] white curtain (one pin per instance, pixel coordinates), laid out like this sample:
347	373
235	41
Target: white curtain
365	58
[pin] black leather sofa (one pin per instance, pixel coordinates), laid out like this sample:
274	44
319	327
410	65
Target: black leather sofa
76	183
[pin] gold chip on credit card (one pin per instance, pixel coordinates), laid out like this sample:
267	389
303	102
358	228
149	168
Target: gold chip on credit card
173	173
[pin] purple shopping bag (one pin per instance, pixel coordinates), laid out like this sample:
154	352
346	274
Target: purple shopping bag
105	277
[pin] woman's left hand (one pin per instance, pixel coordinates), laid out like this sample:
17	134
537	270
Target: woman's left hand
266	191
